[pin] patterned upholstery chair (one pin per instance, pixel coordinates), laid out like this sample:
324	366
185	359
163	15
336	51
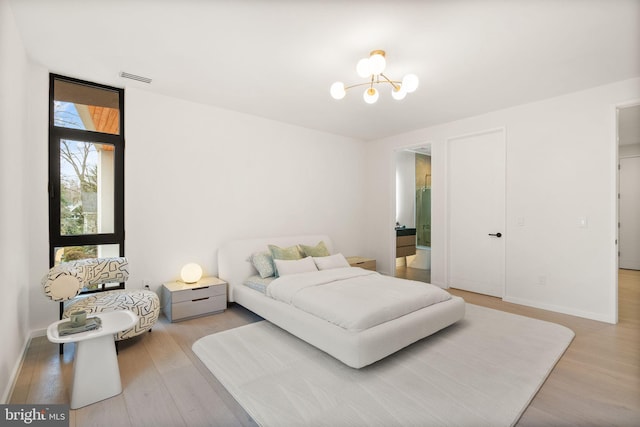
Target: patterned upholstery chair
65	281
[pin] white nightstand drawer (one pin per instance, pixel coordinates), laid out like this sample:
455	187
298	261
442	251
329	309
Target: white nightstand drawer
198	293
199	307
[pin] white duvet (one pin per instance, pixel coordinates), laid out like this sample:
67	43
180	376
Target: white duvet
354	298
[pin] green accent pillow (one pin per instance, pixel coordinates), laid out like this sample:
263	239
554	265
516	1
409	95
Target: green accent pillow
263	262
290	253
318	250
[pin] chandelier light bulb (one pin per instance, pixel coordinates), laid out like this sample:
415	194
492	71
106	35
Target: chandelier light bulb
370	95
410	83
337	90
398	94
377	63
363	68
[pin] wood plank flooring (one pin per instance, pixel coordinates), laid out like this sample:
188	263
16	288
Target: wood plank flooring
596	383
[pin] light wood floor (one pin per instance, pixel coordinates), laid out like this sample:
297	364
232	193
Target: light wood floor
596	383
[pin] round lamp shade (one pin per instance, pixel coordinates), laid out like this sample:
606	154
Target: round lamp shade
191	273
337	90
377	63
370	95
410	83
398	94
362	68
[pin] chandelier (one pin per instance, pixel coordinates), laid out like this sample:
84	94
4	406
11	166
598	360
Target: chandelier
372	68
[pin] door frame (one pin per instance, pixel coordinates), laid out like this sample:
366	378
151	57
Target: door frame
447	208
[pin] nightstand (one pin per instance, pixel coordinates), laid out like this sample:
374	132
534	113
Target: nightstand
182	301
366	263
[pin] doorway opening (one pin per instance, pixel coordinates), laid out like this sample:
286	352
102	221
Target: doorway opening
628	126
413	213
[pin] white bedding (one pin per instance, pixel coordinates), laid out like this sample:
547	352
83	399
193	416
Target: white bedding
355	349
353	298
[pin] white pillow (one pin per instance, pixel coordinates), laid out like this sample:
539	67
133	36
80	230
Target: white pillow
331	261
295	266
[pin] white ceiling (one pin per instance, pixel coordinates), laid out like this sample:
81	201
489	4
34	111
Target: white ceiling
277	59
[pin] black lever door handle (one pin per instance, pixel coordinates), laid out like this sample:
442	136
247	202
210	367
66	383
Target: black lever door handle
496	235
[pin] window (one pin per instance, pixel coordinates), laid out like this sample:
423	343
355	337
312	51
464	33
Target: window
86	171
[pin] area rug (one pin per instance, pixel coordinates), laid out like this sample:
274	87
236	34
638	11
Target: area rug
482	371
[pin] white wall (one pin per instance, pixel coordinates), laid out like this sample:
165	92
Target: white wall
195	177
560	166
14	259
198	176
42	310
406	188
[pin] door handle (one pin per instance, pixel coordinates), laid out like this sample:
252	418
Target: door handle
496	235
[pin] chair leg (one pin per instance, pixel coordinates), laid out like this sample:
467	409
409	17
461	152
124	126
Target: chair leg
61	310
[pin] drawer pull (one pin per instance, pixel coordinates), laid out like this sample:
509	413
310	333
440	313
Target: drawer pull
361	262
199	299
197	289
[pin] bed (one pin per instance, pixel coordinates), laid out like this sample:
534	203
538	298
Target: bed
356	347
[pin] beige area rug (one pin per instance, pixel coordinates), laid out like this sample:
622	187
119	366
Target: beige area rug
482	371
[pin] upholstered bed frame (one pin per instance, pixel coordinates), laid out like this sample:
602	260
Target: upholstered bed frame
355	349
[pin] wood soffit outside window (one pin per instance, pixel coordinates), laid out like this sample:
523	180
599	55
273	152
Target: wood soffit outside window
102	104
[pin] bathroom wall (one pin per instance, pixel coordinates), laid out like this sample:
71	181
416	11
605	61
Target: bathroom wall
423	199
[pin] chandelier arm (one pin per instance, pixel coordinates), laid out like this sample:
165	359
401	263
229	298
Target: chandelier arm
356	85
391	82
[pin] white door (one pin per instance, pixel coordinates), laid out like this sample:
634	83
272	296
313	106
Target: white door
476	212
629	213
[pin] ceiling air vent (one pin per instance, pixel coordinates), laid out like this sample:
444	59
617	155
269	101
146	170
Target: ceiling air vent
134	77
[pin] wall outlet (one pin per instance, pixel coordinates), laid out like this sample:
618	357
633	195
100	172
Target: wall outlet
146	283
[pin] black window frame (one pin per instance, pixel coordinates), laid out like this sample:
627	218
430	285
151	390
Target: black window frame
56	135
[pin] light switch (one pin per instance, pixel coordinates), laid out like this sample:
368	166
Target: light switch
520	221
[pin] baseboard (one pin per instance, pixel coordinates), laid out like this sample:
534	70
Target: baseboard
15	372
18	366
564	310
39	333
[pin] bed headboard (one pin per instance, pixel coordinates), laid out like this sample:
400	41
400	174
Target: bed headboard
233	257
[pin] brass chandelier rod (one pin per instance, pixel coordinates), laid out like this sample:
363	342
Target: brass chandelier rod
394	83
